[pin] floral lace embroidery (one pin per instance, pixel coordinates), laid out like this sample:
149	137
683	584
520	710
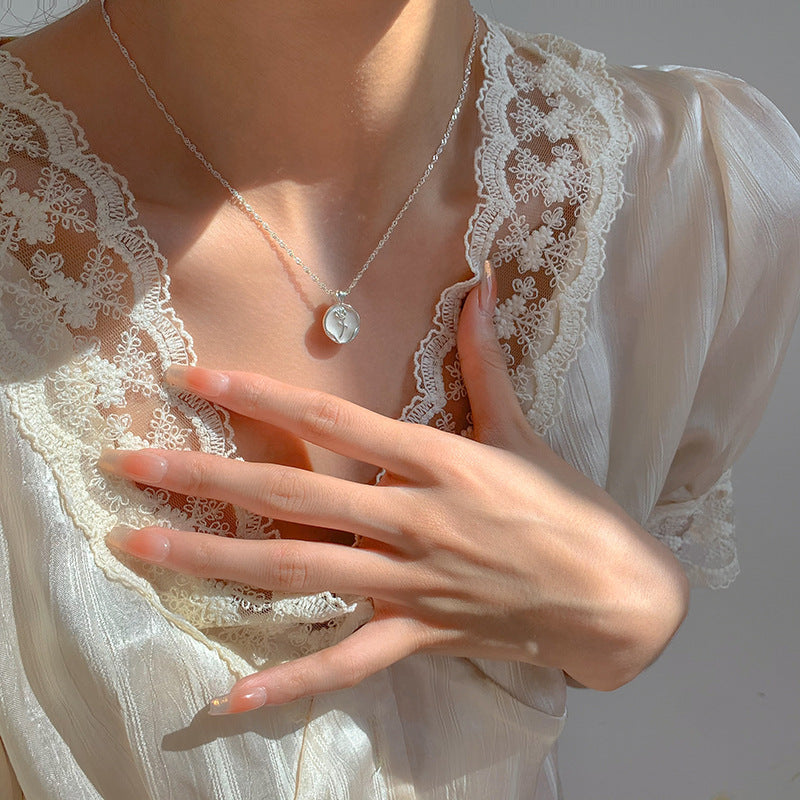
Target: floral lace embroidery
86	332
700	532
74	265
554	133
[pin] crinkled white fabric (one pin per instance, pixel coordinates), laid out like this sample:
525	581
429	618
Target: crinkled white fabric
645	316
704	287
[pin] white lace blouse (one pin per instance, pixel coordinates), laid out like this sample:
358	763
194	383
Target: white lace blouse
644	314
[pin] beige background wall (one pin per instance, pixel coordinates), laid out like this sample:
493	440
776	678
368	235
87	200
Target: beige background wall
718	716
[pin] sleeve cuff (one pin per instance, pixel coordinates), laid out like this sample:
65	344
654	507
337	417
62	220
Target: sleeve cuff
700	532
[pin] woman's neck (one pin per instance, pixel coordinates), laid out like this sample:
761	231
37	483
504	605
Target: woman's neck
350	97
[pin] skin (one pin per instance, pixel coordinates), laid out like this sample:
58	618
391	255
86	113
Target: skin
344	97
555	575
559	575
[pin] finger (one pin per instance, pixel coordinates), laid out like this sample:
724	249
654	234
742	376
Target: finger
271	490
496	414
281	565
318	417
377	645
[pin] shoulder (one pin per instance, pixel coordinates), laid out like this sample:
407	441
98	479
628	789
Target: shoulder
665	106
715	120
715	168
554	65
711	178
697	148
709	145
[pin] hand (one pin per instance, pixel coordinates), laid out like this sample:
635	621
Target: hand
493	548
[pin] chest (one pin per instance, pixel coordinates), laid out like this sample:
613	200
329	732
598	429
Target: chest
248	308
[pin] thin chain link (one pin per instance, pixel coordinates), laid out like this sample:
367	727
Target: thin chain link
339	294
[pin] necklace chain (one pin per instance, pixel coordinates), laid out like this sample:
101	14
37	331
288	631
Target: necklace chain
338	294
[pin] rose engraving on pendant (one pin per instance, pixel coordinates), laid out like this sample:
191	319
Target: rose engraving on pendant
341	323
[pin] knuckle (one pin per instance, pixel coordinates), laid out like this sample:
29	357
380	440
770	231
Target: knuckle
282	491
289	571
203	556
425	449
420	518
348	668
494	358
196	478
323	413
465	468
250	394
297	682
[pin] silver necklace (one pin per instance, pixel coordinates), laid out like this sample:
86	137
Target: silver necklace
341	321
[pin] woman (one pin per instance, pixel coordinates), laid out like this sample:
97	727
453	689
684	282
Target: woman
551	542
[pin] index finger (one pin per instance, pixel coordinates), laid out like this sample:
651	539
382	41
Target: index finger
403	448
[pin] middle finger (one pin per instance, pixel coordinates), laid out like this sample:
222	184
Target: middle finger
271	490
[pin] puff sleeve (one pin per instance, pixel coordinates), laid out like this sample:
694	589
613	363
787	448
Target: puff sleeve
757	175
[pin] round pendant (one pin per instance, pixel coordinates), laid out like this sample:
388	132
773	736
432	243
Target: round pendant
341	323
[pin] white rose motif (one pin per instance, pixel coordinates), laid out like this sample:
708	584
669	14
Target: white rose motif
31	214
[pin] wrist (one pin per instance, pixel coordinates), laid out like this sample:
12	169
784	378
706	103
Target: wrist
643	604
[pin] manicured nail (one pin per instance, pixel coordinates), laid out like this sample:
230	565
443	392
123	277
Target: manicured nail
219	705
234	704
136	464
486	291
206	382
149	545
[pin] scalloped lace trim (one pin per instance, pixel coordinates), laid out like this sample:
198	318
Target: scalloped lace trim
553	131
701	533
74	266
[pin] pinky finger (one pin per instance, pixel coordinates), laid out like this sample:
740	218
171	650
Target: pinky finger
375	646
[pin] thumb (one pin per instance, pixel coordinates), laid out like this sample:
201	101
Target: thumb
496	414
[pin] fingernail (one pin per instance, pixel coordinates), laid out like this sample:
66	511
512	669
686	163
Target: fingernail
219	705
236	703
486	291
136	464
206	382
149	545
117	537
